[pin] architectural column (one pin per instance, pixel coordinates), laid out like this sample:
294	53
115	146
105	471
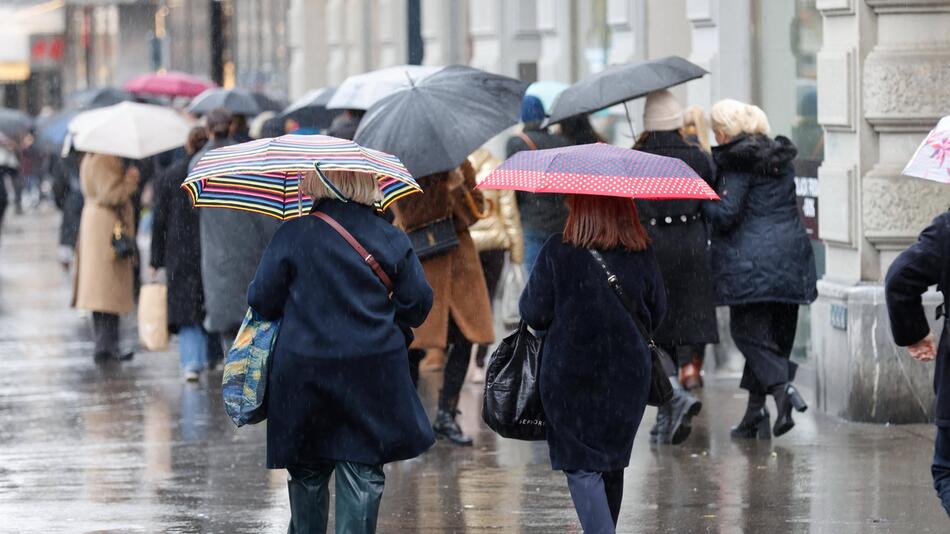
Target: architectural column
444	31
628	36
722	44
883	81
504	37
308	46
558	40
390	33
334	28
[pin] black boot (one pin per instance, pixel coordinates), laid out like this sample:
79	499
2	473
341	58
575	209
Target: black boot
786	399
446	427
755	422
682	408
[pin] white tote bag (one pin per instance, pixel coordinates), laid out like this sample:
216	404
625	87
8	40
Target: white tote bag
153	316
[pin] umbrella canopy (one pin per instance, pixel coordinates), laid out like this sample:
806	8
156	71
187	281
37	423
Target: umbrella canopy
129	130
434	125
310	110
267	103
51	131
599	169
97	98
364	90
263	176
931	161
621	83
547	92
168	84
236	101
14	123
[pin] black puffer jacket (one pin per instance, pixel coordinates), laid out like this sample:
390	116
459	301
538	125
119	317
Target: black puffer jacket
760	250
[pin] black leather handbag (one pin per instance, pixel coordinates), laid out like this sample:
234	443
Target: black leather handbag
661	391
123	245
434	239
512	402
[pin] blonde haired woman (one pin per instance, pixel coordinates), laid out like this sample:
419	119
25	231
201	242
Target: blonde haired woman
339	395
763	263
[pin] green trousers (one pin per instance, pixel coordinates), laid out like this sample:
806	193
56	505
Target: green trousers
359	488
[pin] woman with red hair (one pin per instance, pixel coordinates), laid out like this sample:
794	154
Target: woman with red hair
595	365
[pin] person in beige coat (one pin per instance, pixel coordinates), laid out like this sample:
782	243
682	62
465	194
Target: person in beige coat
104	283
461	314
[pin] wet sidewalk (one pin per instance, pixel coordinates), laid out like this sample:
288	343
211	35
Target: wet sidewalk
131	448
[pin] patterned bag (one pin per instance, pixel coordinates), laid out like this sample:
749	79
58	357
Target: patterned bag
245	370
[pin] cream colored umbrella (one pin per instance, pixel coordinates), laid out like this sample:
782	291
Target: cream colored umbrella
129	130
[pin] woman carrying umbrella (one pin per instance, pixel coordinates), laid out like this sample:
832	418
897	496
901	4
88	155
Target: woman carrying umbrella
762	260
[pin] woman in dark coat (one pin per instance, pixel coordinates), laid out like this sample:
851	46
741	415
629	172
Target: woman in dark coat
176	247
595	365
763	262
339	396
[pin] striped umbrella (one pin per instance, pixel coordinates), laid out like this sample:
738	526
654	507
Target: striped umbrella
263	176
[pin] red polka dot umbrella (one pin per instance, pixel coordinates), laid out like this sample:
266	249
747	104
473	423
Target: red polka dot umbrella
599	169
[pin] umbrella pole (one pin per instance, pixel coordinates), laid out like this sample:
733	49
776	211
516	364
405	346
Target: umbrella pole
633	133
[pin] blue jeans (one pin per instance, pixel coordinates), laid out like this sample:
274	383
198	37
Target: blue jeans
533	241
359	489
193	346
941	466
597	498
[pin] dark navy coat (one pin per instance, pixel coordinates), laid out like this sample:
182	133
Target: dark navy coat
339	386
595	365
925	263
681	245
760	250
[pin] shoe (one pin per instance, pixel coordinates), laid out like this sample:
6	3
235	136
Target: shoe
787	398
682	408
660	433
105	356
691	374
191	376
755	425
446	427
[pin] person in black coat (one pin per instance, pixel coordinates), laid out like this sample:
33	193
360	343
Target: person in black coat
176	247
763	263
678	233
542	215
595	365
339	395
925	263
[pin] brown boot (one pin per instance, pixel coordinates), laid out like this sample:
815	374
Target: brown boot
691	374
434	361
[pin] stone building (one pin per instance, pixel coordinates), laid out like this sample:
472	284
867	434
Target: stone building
855	83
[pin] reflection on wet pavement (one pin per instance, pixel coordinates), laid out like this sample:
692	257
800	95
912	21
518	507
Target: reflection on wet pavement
131	448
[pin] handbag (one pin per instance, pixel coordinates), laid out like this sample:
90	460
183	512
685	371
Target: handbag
513	281
434	239
153	316
244	385
512	405
123	245
661	391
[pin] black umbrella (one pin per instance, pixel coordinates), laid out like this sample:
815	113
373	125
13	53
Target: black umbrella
621	83
434	125
267	103
14	123
97	98
236	101
310	110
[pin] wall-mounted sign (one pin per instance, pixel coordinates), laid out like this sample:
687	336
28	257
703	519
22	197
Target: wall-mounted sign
46	51
806	191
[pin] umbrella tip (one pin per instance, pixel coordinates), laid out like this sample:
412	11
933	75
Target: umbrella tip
412	83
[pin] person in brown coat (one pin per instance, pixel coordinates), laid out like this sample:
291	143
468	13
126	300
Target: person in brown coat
104	282
461	313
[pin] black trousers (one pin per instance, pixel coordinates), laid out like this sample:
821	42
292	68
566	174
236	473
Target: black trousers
105	333
940	469
493	262
456	366
765	333
597	497
359	489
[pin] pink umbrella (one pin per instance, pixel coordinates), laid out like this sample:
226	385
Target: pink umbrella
169	84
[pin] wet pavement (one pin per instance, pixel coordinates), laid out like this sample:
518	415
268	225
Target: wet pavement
131	448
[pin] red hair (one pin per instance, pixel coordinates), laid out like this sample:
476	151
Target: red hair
604	223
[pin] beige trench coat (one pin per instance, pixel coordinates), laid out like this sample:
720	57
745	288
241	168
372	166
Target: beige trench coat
102	282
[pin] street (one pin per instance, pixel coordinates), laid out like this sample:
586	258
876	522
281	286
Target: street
132	448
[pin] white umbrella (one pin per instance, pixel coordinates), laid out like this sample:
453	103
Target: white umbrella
931	161
364	90
129	130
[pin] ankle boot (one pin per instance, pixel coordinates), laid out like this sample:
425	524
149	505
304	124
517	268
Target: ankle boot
753	425
786	398
446	427
682	408
660	433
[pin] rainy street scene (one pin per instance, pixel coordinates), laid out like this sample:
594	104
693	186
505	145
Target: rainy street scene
466	266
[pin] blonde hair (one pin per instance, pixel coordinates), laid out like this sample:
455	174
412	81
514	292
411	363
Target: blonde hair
733	118
359	187
694	124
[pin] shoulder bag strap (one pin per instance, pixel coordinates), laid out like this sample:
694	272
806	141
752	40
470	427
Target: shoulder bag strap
527	140
367	257
614	283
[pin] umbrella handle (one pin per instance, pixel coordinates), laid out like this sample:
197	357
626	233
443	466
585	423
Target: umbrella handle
473	207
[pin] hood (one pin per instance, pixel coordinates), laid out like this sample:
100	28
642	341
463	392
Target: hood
759	154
